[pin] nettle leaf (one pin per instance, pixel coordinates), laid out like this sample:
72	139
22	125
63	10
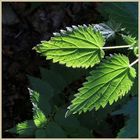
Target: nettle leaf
111	80
34	97
108	29
25	128
61	73
53	130
130	130
39	118
40	133
79	46
45	94
133	42
71	125
124	13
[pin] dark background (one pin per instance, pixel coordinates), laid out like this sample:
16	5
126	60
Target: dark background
24	25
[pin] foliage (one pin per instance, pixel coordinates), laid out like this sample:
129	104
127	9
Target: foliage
84	46
51	125
133	42
124	13
109	29
111	80
130	130
79	46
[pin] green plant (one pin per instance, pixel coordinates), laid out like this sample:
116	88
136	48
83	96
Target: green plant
82	46
48	109
85	46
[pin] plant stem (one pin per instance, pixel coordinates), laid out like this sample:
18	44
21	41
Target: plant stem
117	47
133	63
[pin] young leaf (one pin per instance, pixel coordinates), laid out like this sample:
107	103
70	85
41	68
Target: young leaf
79	46
34	97
25	128
133	42
130	130
45	94
40	119
111	80
108	29
124	13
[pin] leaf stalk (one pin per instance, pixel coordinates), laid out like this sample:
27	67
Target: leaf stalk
133	63
116	47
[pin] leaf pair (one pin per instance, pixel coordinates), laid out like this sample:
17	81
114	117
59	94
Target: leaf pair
82	46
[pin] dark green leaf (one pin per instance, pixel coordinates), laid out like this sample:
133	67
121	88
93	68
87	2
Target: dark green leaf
125	13
130	130
40	133
53	130
25	128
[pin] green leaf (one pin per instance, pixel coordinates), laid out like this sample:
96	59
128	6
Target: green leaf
71	125
53	130
133	42
66	123
25	128
79	46
41	86
125	13
108	29
97	122
111	80
39	118
45	91
69	74
34	97
40	133
134	89
61	73
130	130
53	78
81	132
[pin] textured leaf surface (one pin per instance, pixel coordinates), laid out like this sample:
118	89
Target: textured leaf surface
25	128
133	42
134	89
40	119
45	91
34	97
108	29
79	46
130	130
124	13
110	81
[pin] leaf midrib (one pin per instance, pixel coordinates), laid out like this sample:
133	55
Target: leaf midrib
97	90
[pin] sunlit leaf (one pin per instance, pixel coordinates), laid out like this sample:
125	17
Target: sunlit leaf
111	80
79	46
